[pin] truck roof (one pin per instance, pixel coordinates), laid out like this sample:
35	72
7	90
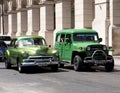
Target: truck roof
77	31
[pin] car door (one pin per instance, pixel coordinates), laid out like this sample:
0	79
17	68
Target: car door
12	51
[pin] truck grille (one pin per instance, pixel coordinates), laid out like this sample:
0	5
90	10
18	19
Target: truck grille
97	51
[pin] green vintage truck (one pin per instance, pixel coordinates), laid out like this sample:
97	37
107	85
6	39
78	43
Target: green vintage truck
81	47
25	51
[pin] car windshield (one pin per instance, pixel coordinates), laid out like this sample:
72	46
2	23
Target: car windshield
85	37
31	42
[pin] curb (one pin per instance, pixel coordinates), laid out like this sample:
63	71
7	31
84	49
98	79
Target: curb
117	60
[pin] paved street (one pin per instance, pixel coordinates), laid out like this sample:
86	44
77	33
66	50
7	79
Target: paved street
64	81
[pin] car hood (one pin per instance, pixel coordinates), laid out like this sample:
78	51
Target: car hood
37	50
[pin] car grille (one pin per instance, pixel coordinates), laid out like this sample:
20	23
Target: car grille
40	58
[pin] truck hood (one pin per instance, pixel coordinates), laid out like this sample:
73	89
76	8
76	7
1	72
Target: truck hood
83	45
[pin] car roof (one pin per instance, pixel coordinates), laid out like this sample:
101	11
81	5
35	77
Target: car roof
31	36
76	31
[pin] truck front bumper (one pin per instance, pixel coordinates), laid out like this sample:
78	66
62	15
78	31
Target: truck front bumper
99	57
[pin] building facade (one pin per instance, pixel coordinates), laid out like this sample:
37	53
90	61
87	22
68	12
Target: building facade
46	17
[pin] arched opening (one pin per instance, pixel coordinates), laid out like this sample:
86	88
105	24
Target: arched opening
23	3
14	5
35	2
5	6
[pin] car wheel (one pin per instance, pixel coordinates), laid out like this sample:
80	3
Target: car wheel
54	67
77	63
61	65
7	63
20	68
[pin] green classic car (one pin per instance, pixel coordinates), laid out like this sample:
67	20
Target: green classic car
25	51
81	47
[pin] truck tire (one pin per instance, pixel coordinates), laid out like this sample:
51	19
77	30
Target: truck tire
77	62
109	66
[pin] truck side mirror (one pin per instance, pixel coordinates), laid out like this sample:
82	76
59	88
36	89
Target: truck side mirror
100	39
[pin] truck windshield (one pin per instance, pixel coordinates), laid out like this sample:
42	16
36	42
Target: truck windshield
85	37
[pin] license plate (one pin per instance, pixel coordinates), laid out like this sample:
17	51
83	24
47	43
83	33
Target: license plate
41	64
99	62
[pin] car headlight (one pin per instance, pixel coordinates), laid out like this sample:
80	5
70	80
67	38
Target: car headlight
24	54
88	48
104	48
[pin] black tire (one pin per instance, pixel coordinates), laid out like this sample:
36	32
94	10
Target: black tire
54	67
7	63
61	65
77	63
109	67
20	68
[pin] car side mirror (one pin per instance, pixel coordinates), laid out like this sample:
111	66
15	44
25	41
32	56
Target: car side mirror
100	39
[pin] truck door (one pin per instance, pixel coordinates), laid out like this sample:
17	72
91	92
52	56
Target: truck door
59	45
67	48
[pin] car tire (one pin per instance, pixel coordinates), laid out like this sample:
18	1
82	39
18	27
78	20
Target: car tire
7	63
54	67
77	63
20	68
61	65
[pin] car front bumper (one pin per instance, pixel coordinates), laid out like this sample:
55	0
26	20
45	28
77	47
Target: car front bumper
39	61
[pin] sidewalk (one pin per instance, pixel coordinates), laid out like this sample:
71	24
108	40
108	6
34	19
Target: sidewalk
117	60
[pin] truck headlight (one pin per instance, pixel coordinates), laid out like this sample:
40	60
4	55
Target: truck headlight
88	48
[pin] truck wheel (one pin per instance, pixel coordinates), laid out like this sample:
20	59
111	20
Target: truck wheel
109	67
7	63
77	62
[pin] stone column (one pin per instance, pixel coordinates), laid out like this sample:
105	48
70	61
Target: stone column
33	20
36	21
63	14
29	22
5	24
114	32
9	24
101	22
0	24
21	22
47	21
12	23
83	13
